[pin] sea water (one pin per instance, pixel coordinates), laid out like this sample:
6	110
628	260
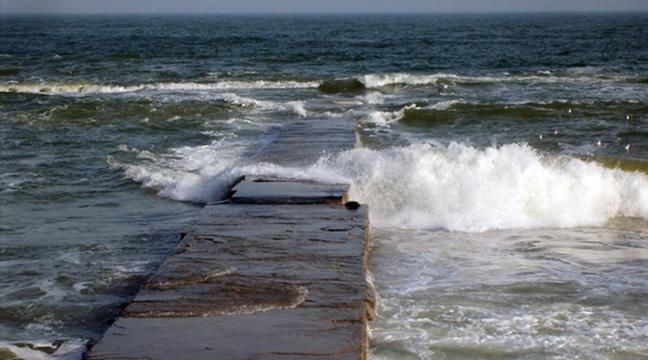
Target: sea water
502	158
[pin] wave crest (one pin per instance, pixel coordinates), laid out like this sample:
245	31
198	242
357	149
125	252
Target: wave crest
462	188
194	174
65	88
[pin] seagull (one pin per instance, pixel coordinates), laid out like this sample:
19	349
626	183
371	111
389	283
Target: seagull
599	144
627	117
627	147
569	111
540	137
555	132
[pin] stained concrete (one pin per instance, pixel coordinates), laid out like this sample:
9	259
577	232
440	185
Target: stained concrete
254	281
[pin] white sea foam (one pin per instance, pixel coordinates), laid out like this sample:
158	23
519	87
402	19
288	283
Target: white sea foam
381	80
374	98
51	291
296	107
63	88
454	187
445	105
385	118
369	81
72	349
67	88
224	85
459	187
199	174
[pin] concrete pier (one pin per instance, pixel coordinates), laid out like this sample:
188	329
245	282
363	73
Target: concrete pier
276	272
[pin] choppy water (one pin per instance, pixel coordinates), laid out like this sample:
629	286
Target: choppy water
503	159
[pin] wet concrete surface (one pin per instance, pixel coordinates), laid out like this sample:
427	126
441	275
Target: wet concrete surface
279	271
263	190
303	142
255	281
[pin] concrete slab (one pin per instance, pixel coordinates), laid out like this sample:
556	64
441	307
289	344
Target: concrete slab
265	190
254	282
303	142
291	334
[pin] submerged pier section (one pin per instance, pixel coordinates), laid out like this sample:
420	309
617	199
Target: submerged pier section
277	272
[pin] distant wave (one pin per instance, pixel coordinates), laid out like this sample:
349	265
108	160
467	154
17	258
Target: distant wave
69	88
374	81
340	85
413	114
297	107
385	118
380	80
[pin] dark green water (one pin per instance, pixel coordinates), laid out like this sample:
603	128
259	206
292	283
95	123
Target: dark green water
493	239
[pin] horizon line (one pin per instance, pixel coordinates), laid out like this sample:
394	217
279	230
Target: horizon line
336	13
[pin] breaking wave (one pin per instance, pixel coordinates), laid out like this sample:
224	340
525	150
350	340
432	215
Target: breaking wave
72	349
194	174
296	107
463	188
455	187
380	80
413	114
68	88
339	85
373	81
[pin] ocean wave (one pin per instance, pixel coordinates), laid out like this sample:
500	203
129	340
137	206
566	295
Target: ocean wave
381	80
374	81
68	88
339	85
386	118
72	349
195	174
296	107
461	188
452	109
455	187
374	98
445	105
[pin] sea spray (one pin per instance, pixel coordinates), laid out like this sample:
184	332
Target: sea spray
386	118
455	187
296	107
462	188
195	174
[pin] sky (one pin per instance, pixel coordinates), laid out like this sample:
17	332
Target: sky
313	6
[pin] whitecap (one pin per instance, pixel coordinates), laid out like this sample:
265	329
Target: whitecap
72	349
386	118
463	188
198	174
81	88
445	105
